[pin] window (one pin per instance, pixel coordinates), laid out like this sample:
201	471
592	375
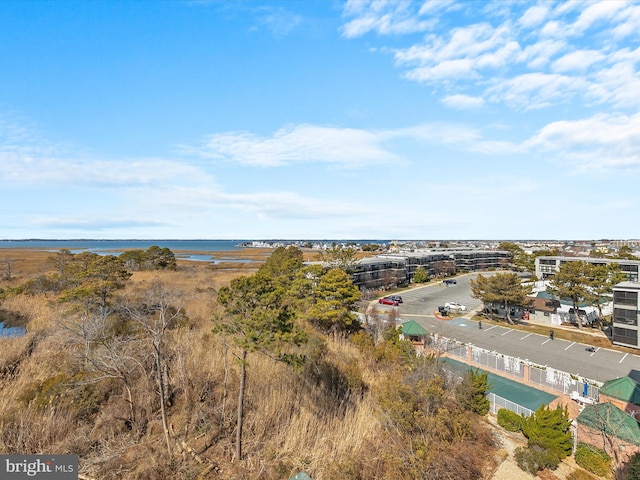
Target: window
621	297
622	315
629	268
625	335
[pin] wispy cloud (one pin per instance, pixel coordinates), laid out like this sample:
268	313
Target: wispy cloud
347	147
19	167
526	57
602	143
389	17
462	102
278	20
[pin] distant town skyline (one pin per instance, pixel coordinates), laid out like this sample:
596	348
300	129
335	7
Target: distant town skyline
436	119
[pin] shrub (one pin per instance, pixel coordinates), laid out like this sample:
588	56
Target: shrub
593	459
633	468
510	421
66	392
536	458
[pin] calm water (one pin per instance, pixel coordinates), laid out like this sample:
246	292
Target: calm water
11	331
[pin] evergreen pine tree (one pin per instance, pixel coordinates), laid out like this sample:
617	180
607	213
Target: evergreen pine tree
550	429
472	392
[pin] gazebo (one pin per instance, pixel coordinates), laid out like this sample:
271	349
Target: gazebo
414	332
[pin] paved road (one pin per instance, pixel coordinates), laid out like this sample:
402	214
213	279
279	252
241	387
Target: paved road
604	364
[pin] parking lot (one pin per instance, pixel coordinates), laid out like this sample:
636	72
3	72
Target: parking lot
602	364
426	300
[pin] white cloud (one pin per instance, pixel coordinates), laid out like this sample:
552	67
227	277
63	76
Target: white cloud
536	90
526	58
28	169
447	70
347	147
538	55
534	16
430	7
384	17
629	22
596	12
602	143
438	133
618	85
578	61
462	102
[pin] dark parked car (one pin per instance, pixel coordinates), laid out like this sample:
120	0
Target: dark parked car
450	281
396	298
388	301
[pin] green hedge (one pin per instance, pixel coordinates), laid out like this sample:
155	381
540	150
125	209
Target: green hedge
593	459
536	458
509	420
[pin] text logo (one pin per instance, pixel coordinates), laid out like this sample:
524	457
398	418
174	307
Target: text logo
49	467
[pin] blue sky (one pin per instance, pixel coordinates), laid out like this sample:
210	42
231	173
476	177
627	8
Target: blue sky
319	119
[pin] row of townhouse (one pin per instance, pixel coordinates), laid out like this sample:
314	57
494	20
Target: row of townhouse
389	270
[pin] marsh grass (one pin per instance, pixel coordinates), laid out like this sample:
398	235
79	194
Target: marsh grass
324	419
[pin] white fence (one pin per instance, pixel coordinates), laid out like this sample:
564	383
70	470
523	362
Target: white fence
563	382
498	402
542	375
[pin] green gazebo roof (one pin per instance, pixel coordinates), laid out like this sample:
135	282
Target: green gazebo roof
413	329
607	418
623	388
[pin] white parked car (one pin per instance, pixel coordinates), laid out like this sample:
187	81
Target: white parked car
455	306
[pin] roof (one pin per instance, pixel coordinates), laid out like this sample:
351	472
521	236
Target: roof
543	304
607	418
628	285
563	301
413	329
623	388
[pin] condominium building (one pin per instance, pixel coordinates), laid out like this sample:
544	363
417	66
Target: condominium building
388	270
548	266
626	310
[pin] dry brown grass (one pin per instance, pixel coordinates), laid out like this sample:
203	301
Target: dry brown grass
23	262
293	423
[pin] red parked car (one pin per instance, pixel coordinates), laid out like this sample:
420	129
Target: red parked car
388	301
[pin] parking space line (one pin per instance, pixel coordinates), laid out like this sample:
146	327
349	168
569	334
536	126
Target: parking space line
547	340
508	331
491	328
595	351
570	346
625	356
527	335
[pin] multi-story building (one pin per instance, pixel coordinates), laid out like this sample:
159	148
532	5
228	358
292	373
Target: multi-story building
626	310
548	266
388	270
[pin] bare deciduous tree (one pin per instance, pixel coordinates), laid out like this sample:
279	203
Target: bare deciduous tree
105	354
155	313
